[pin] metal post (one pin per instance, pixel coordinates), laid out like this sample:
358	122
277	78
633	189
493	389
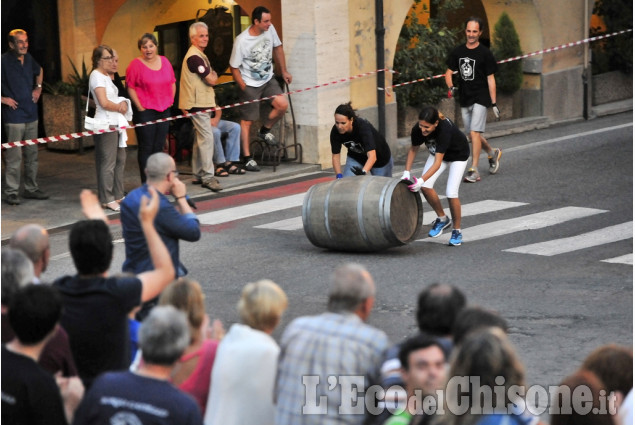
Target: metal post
380	32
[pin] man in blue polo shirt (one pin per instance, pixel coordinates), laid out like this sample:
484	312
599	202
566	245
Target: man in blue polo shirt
173	222
21	89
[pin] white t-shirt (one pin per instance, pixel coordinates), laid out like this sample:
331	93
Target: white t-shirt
97	79
253	56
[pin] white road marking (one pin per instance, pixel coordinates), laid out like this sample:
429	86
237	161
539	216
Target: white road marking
527	222
480	207
250	210
622	259
585	240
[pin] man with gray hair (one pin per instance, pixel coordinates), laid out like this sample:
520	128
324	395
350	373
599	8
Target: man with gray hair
172	223
327	361
33	240
197	95
145	396
22	80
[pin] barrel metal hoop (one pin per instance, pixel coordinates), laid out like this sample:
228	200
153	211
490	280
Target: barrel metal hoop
326	209
360	208
306	208
384	211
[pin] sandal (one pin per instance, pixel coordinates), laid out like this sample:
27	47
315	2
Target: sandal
221	172
234	169
113	206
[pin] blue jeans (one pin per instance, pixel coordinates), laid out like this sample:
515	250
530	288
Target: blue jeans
232	144
385	171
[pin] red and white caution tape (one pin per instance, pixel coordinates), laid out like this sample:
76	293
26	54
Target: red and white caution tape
44	140
539	52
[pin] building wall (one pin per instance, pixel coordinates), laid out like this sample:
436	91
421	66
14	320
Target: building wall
327	40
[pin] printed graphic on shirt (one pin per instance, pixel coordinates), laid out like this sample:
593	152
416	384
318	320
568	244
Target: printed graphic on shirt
259	61
431	144
466	66
125	418
353	146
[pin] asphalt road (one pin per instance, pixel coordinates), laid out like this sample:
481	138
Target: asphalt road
568	184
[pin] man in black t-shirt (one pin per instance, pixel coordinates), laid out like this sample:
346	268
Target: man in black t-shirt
475	66
29	393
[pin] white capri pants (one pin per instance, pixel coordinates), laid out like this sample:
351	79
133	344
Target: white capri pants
455	175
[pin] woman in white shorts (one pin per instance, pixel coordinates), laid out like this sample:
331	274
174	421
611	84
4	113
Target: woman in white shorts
448	148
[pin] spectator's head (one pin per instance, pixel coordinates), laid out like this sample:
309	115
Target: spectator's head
613	364
580	390
199	35
98	53
163	336
33	240
17	272
488	355
160	168
438	307
352	290
90	243
145	38
261	305
423	364
475	318
33	313
187	296
19	41
256	14
15	32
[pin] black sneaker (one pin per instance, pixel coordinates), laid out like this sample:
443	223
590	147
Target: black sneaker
36	194
13	199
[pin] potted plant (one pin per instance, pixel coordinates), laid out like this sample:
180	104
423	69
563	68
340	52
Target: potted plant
63	110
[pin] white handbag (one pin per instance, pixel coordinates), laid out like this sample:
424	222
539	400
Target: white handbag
92	123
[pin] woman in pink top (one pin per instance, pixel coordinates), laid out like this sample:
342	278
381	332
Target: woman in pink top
193	371
151	84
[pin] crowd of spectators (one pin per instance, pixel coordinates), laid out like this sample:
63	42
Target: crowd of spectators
66	350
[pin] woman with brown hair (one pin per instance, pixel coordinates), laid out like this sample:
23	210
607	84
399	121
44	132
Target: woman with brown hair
110	153
151	84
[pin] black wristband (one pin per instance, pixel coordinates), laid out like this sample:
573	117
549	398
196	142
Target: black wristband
494	104
179	197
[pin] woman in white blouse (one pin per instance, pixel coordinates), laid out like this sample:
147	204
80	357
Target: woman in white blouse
244	372
110	157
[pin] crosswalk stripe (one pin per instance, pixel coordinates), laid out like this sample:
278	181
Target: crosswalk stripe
603	236
294	223
244	211
474	208
527	222
622	259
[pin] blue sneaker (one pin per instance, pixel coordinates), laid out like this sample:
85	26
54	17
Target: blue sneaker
456	238
438	226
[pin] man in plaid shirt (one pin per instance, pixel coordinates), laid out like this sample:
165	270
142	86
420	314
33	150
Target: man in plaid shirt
328	361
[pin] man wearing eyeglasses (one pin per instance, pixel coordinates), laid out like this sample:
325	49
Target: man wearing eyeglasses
173	222
21	89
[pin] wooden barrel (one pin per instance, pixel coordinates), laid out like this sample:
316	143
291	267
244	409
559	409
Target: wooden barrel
362	214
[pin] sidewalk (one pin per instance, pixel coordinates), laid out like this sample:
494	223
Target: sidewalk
64	174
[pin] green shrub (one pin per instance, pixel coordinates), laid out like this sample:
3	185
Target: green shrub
506	44
421	53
